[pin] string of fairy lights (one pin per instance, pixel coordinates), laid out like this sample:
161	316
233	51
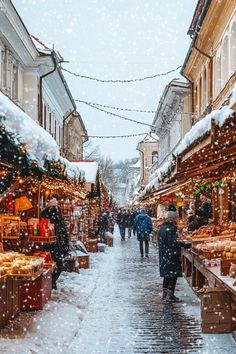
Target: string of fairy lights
101	107
116	136
118	115
119	80
115	108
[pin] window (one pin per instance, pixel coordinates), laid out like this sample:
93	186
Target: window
154	156
50	123
59	135
44	116
14	83
3	69
233	48
218	72
200	96
195	99
225	60
204	89
55	129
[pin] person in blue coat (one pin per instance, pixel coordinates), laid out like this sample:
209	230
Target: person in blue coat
169	254
143	227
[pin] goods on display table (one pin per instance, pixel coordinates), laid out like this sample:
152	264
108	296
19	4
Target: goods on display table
18	264
210	230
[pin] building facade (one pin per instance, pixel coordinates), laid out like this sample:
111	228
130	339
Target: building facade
75	136
210	64
148	149
133	178
30	75
172	120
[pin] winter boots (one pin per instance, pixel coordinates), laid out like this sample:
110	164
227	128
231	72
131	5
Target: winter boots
164	294
172	297
168	295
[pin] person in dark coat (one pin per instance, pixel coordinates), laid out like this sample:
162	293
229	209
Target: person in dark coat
204	212
130	222
169	254
102	224
143	227
60	249
122	223
134	213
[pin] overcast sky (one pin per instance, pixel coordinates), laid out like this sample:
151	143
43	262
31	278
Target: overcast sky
114	39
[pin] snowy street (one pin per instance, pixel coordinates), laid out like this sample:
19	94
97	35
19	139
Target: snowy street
114	307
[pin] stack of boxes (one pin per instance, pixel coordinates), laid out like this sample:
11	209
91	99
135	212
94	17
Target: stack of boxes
216	313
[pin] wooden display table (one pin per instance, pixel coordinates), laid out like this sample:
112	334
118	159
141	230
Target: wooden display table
198	273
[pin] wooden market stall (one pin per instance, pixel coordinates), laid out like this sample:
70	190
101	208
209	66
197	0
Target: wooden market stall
208	164
96	200
28	162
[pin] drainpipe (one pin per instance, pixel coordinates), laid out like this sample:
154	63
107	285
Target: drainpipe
40	107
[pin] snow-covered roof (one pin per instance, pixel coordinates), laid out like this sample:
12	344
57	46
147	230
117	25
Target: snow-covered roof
136	165
204	125
90	169
150	138
39	144
41	47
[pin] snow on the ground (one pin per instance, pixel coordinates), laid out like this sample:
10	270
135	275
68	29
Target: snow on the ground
88	307
50	330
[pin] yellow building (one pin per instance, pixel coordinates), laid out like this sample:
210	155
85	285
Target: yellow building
210	64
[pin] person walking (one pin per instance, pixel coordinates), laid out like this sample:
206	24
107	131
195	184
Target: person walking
143	227
134	213
61	248
102	225
122	223
130	222
169	255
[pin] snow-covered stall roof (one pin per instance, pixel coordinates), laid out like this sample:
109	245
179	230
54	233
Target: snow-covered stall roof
90	169
204	125
39	144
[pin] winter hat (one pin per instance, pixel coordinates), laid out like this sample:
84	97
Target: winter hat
53	202
172	212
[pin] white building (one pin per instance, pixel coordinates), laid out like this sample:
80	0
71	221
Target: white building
132	181
173	119
148	149
30	75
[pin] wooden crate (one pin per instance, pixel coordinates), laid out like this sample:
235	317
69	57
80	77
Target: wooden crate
92	245
225	265
69	264
110	242
84	261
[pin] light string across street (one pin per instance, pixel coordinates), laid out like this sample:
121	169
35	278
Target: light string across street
117	115
116	108
115	136
101	106
121	81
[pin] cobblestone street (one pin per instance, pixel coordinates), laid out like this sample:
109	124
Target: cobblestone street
125	313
